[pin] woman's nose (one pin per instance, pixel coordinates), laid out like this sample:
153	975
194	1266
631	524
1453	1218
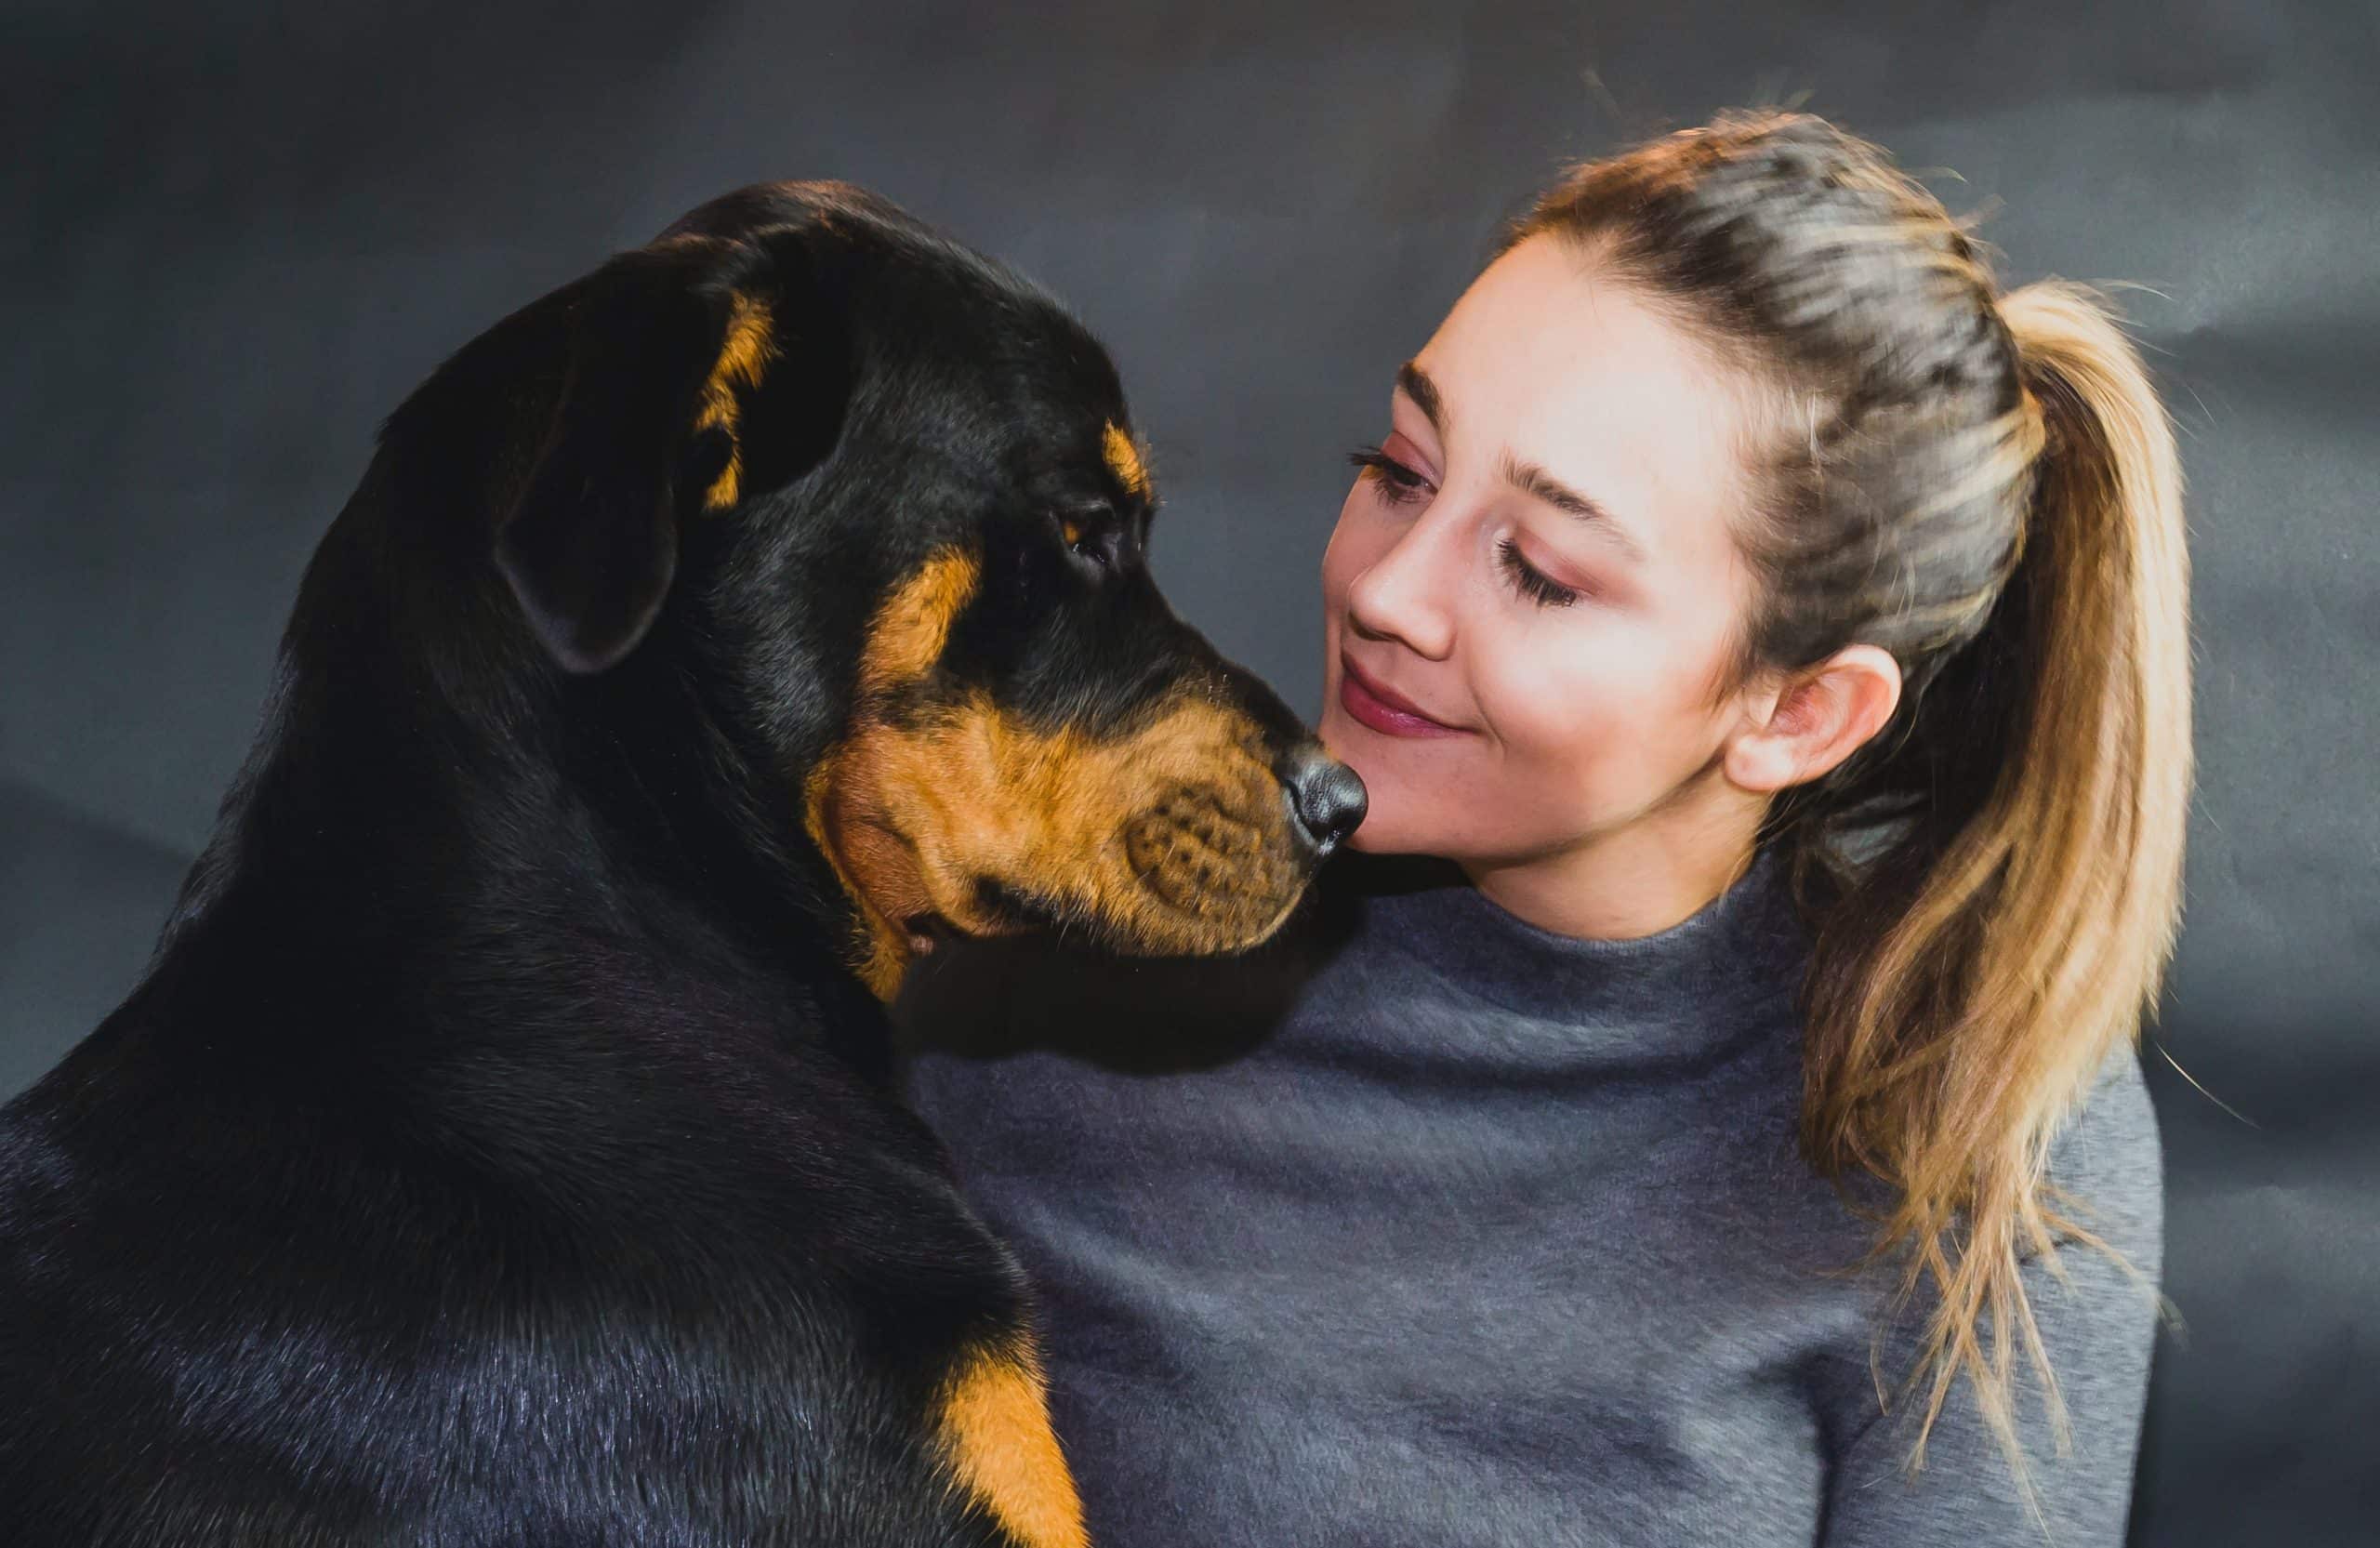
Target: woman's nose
1407	593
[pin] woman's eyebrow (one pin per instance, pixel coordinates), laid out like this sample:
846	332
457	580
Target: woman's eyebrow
1526	477
1534	481
1417	385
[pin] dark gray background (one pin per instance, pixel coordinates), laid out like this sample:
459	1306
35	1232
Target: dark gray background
232	243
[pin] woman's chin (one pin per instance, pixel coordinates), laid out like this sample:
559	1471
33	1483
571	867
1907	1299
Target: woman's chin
1398	824
1381	833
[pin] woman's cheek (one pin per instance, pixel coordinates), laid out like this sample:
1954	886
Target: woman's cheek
1568	720
1543	696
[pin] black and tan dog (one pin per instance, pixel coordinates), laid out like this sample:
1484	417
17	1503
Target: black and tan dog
499	1149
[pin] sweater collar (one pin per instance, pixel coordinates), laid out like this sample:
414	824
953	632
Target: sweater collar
1680	989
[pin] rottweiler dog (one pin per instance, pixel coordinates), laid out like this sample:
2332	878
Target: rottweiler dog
501	1148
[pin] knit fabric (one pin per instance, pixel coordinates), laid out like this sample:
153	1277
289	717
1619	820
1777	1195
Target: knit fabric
1427	1227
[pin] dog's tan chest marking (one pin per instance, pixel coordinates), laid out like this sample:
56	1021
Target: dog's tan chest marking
997	1440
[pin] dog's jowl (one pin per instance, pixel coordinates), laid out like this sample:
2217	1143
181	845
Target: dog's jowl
499	1147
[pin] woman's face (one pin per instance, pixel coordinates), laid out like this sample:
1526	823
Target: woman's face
1530	596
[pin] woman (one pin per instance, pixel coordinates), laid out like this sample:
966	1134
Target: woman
1774	637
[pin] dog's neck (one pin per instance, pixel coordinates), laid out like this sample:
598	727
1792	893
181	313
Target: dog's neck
469	836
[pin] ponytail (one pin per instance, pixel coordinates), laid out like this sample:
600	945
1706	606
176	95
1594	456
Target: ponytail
1971	981
1985	485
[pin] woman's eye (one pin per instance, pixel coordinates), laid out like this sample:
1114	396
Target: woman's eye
1530	580
1398	483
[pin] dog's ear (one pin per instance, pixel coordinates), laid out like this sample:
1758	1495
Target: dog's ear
664	344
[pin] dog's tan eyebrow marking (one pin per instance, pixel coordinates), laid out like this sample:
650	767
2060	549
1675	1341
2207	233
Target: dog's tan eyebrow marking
913	624
748	346
1123	460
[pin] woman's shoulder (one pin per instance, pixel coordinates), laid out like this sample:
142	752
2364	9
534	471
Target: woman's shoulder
2105	1166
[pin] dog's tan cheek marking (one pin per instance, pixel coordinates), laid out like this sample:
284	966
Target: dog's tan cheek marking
844	801
748	347
911	816
864	855
1123	460
913	625
980	793
997	1443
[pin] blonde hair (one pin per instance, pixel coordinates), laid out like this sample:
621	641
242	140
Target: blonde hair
1986	485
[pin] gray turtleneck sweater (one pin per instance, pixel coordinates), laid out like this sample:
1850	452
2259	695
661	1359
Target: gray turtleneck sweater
1425	1226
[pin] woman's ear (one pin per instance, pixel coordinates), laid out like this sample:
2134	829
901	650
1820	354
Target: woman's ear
1820	716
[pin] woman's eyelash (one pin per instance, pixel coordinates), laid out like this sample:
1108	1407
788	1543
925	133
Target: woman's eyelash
1532	582
1398	482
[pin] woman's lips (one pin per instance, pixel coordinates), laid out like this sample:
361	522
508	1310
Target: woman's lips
1369	704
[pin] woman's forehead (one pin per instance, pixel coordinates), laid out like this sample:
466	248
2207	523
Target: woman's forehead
1570	369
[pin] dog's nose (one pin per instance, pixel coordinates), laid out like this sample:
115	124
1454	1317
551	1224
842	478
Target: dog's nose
1328	796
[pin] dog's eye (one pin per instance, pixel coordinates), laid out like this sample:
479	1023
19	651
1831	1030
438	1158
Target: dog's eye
1092	533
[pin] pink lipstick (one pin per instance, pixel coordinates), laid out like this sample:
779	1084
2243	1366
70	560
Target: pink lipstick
1371	704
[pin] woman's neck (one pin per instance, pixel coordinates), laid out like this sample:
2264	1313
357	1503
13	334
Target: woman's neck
1635	882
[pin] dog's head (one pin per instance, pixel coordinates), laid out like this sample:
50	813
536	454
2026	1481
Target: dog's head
882	502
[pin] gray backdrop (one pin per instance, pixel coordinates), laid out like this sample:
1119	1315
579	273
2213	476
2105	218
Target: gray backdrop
232	242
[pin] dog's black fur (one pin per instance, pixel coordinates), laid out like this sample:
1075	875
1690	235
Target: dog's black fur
498	1149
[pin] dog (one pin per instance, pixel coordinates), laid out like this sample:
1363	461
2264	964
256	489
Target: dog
500	1147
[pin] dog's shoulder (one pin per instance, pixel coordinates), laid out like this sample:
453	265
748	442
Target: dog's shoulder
284	1279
